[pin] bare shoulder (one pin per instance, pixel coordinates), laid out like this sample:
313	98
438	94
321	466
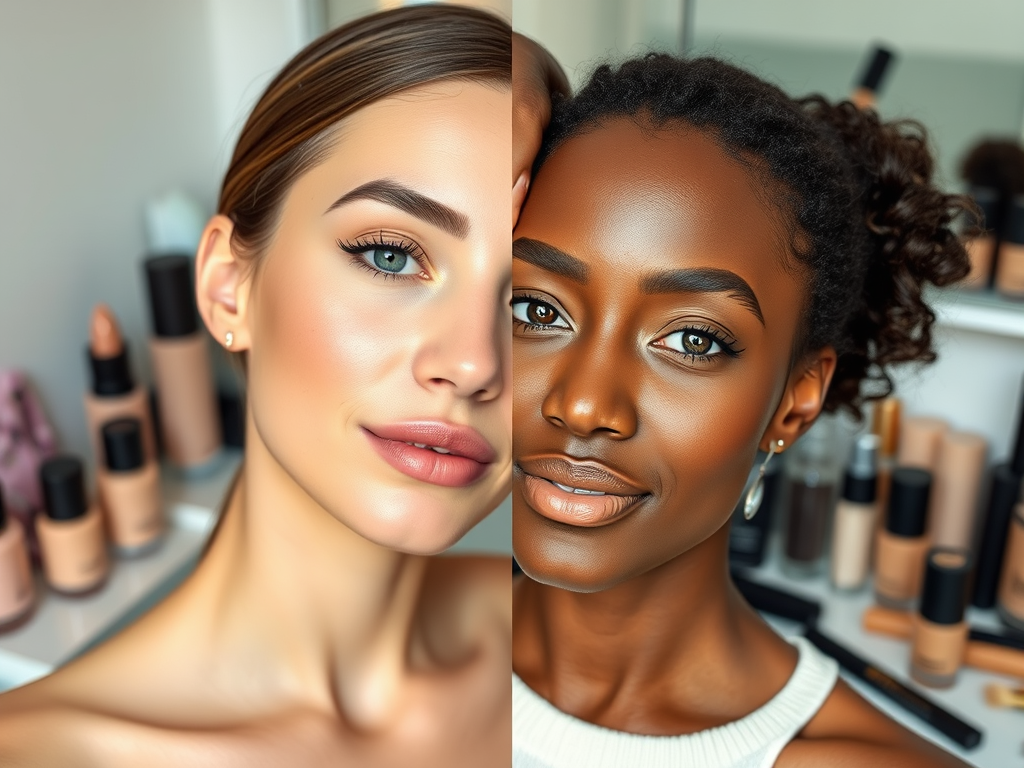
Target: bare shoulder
849	732
39	732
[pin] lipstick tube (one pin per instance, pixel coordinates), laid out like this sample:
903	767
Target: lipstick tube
940	632
113	394
186	400
129	488
70	532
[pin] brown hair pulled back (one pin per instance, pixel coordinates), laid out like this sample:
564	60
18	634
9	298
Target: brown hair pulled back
343	71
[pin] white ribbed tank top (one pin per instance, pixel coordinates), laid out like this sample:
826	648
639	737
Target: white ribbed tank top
546	737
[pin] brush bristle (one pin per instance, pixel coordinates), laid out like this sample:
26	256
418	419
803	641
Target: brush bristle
1000	696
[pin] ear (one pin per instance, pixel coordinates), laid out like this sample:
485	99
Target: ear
222	285
803	399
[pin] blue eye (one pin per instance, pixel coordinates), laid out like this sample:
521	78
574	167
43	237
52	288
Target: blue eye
537	313
404	259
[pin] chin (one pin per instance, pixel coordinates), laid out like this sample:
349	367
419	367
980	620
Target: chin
416	522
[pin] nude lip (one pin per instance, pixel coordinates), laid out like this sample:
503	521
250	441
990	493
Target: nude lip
465	460
611	496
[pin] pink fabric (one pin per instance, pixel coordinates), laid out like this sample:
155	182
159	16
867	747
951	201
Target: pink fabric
26	441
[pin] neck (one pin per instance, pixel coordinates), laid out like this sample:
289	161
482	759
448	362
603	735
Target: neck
311	608
682	622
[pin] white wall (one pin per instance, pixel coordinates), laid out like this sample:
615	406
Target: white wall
106	104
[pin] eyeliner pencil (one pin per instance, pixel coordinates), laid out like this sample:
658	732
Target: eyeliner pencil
943	721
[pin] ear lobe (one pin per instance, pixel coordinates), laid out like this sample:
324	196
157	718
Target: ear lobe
222	287
803	400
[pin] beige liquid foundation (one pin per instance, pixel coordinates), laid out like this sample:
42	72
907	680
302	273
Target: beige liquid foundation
186	400
1010	265
129	488
920	437
17	590
70	530
901	544
940	632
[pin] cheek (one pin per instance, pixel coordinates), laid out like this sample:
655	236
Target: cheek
318	345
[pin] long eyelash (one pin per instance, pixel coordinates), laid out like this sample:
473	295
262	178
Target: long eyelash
728	345
383	240
532	327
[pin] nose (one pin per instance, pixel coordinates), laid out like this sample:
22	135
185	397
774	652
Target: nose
467	347
592	395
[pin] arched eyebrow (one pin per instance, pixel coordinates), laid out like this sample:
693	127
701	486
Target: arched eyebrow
412	202
703	280
550	259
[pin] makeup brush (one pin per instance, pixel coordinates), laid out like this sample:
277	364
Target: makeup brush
1002	696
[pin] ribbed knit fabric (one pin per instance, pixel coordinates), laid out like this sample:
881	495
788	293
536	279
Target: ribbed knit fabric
546	737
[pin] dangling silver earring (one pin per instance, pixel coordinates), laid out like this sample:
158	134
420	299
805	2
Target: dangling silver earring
756	493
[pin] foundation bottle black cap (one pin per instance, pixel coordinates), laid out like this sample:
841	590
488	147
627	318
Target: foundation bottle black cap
63	488
988	201
111	375
908	502
1014	230
944	595
122	444
171	300
881	57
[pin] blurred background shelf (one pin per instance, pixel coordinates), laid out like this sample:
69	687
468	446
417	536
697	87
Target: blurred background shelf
979	311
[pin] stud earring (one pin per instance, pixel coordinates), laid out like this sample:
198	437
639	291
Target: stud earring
755	495
229	339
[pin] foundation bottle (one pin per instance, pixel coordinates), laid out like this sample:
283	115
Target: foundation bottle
981	249
113	394
886	424
187	404
901	544
1010	261
812	479
959	467
1005	492
129	488
1011	584
17	590
854	526
940	632
70	531
920	437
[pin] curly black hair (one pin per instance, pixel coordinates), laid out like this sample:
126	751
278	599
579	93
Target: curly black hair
864	214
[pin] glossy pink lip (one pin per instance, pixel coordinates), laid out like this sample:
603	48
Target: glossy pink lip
468	458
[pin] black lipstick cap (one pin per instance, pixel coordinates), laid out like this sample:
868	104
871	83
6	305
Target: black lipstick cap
908	502
122	444
873	75
63	488
171	299
111	375
944	596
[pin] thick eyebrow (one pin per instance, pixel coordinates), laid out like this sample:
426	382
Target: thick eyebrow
550	259
422	207
703	280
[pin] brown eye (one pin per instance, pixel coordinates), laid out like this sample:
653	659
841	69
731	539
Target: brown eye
695	344
537	313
